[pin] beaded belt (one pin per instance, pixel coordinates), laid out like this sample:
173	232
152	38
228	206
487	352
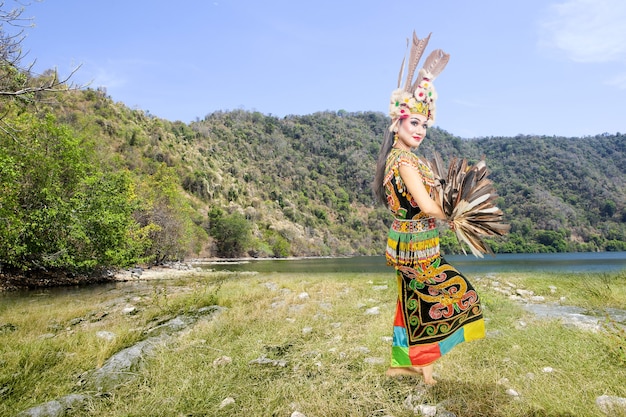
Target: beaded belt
413	226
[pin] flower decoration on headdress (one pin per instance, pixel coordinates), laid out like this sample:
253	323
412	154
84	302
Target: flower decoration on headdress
419	96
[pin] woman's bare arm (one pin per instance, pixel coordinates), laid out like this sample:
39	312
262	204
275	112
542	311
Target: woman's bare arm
413	182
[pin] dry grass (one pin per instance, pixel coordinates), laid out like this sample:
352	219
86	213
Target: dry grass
334	355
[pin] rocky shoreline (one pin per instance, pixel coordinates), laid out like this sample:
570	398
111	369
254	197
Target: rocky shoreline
29	280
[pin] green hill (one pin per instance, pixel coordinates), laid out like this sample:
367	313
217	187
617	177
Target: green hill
88	182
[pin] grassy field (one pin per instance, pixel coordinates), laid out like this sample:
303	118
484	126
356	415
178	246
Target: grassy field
325	356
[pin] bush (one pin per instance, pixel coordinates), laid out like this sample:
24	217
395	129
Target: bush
232	233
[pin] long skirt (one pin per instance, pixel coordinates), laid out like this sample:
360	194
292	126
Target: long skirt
437	309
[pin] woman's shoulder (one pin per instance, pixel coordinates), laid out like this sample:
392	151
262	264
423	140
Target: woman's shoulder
403	156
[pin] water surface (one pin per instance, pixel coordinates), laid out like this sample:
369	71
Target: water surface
587	262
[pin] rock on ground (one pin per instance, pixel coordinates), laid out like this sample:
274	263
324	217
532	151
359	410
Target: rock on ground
56	408
609	404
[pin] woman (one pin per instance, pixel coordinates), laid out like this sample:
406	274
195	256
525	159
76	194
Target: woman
437	308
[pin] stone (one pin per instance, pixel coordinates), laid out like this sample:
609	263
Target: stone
227	401
297	414
609	404
129	310
426	410
493	334
56	408
303	295
374	311
105	335
547	370
222	360
307	330
76	321
320	316
263	360
326	306
444	413
99	316
118	368
511	392
296	308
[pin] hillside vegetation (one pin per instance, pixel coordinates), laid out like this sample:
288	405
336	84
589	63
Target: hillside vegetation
88	183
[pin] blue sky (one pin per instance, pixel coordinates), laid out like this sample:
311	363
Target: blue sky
543	67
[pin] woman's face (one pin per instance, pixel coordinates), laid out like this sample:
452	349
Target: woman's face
411	132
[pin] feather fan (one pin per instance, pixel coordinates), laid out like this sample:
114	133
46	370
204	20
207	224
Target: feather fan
467	198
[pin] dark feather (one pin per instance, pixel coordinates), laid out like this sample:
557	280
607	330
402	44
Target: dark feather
467	198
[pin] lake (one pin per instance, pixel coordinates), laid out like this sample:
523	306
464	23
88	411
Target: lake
515	262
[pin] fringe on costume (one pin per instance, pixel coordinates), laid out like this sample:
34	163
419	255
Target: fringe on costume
412	242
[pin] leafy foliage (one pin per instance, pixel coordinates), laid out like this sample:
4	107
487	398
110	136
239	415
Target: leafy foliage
231	231
57	210
115	186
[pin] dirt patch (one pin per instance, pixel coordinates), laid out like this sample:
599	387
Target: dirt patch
156	272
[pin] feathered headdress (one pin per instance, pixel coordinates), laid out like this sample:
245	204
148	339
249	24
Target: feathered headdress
419	96
467	198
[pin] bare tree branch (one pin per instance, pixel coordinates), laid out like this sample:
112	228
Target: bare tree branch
17	80
53	85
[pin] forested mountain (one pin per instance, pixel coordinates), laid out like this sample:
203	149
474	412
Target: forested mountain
88	182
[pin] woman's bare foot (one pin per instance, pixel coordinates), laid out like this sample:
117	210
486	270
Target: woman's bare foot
403	370
427	371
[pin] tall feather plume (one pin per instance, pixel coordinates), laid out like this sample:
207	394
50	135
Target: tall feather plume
417	50
435	63
467	198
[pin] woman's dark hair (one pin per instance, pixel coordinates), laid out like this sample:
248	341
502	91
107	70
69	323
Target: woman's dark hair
385	148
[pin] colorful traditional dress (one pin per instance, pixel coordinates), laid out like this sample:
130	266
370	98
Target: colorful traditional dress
437	307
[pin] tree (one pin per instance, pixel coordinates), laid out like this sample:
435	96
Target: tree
16	78
608	209
166	214
57	210
232	233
